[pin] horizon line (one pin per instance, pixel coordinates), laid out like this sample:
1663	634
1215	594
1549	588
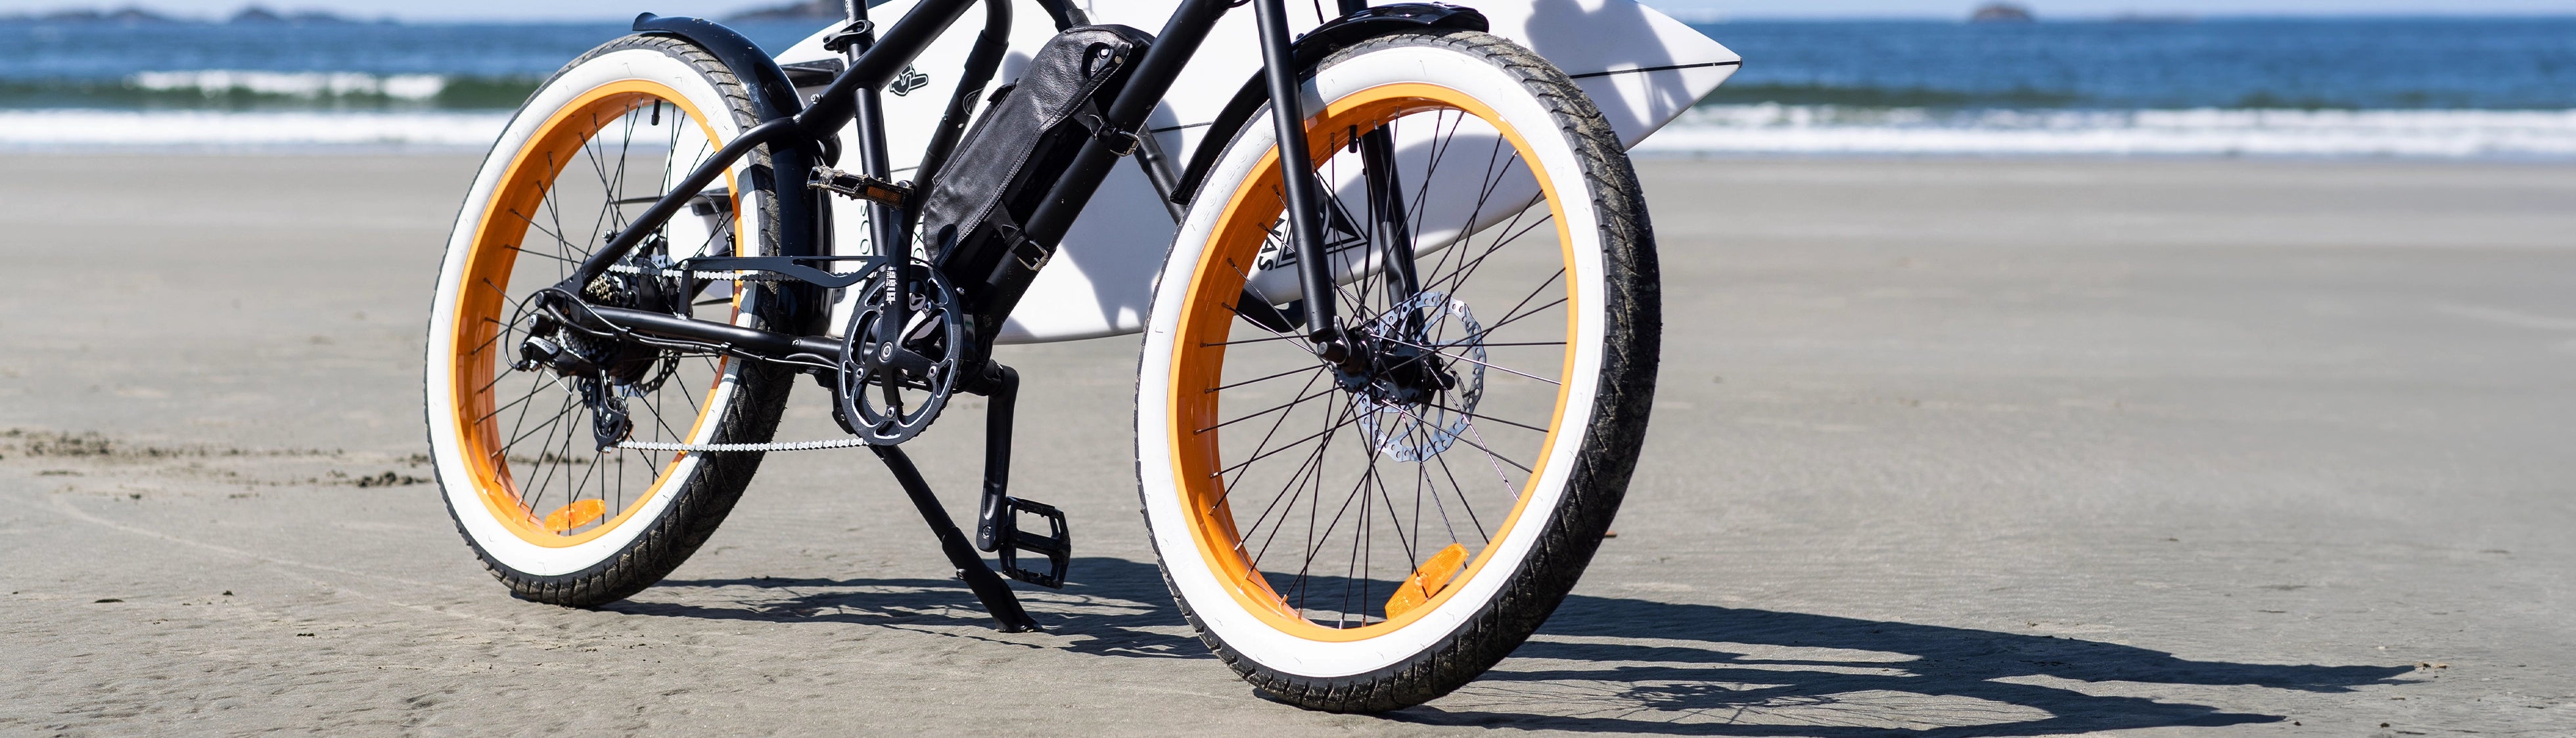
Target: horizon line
1686	15
1720	17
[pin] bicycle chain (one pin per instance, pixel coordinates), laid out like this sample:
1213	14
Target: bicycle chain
725	275
728	276
739	447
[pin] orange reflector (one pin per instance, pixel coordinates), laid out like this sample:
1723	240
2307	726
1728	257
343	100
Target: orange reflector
574	515
1433	576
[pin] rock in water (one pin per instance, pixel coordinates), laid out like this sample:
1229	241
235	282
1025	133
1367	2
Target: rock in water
806	10
2000	13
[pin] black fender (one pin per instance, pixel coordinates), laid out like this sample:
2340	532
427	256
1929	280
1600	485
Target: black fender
1309	50
771	93
774	98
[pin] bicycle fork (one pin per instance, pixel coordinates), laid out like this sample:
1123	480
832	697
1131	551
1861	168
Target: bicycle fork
1306	199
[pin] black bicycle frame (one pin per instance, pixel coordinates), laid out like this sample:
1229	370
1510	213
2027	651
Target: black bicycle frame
798	137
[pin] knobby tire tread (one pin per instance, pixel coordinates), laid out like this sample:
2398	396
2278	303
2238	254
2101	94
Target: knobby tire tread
702	503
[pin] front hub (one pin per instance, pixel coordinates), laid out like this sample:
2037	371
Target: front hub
1415	375
1392	370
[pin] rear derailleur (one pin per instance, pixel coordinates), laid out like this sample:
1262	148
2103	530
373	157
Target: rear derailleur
606	366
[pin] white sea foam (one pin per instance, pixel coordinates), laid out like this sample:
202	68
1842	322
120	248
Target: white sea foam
217	82
1742	129
212	129
1794	129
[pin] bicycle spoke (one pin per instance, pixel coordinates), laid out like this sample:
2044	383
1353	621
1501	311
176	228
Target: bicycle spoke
664	426
1266	437
1311	469
1377	483
591	178
569	404
1464	504
502	451
1274	408
1421	484
532	393
1455	357
1486	417
1290	372
1256	340
554	212
532	223
1364	488
1533	295
1533	311
1467	269
1286	446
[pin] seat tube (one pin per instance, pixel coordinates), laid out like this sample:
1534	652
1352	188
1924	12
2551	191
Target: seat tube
885	224
1305	226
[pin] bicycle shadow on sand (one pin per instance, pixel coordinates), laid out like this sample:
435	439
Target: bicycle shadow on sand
1620	664
1113	607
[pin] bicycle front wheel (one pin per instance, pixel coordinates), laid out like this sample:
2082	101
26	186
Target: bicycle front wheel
1371	534
529	413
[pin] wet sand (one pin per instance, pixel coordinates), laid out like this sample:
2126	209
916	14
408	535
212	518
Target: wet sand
1943	447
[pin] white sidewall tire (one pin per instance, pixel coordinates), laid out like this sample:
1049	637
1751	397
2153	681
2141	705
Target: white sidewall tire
1216	609
502	546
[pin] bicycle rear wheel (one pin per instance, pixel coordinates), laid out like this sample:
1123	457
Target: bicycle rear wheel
1370	536
526	410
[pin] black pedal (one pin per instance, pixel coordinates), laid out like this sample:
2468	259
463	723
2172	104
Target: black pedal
998	530
860	186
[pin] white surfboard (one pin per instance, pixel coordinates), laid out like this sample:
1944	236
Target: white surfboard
1640	66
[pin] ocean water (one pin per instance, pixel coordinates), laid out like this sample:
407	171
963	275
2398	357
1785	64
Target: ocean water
297	67
2404	87
2400	87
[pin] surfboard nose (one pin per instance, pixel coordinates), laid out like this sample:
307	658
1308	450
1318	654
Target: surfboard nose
1642	67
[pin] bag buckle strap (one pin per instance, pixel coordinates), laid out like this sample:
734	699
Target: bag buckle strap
1100	129
1022	249
1030	254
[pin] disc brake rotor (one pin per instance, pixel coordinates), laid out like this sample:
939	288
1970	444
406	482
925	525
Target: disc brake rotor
1416	423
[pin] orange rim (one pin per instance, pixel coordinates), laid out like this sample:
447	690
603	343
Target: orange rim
481	313
1205	323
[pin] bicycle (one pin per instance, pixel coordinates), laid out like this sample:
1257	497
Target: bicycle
1425	357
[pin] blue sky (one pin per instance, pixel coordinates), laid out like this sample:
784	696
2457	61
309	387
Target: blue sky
603	9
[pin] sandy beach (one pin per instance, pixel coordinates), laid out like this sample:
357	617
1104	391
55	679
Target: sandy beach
1942	447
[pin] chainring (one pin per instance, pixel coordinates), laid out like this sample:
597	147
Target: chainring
888	391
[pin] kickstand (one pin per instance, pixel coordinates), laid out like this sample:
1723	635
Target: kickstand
989	587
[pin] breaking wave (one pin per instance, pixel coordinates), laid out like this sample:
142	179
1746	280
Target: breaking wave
260	90
219	82
1825	129
265	130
